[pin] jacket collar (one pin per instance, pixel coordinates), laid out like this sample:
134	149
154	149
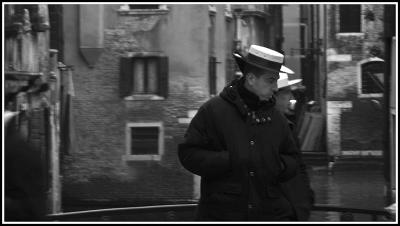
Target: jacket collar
244	100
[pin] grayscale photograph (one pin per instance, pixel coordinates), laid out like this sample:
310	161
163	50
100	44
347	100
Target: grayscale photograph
200	112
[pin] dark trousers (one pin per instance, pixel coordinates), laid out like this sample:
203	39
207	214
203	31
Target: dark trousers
271	209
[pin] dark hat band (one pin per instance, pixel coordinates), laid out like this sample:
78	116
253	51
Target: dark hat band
263	63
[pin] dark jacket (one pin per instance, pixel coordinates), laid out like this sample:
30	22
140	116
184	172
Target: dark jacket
298	189
242	156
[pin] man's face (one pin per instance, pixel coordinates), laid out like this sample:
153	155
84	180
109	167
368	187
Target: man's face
264	84
283	97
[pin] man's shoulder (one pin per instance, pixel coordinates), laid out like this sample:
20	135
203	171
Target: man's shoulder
214	101
214	105
280	116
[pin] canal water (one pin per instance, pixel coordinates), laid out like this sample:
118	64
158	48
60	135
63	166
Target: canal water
353	184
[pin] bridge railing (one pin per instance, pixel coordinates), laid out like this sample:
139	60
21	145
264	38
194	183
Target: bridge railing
186	212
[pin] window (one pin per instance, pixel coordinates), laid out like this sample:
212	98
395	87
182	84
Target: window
212	60
144	75
371	75
350	18
229	61
212	74
56	29
144	141
303	40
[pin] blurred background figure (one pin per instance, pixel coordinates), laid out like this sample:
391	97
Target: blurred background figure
303	195
285	101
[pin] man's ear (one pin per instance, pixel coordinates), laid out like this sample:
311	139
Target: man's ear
250	78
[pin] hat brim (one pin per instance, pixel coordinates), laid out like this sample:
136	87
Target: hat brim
291	82
286	70
241	62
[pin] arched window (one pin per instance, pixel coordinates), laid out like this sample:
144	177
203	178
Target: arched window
370	77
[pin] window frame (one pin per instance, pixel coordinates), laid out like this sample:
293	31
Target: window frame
128	156
359	78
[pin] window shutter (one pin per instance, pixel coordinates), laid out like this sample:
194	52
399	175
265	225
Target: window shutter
126	77
163	77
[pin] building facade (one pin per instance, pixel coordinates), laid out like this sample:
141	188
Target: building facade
32	81
140	72
304	47
354	74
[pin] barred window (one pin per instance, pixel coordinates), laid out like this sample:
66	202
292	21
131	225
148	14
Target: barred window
144	141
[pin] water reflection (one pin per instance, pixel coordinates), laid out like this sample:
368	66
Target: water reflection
357	185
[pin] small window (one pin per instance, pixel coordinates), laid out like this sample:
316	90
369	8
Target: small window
144	76
371	77
212	75
303	39
350	18
144	141
212	62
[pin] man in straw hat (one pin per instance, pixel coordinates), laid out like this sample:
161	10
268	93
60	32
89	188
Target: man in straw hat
242	146
285	101
298	188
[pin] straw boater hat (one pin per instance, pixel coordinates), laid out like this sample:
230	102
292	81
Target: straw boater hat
284	81
263	58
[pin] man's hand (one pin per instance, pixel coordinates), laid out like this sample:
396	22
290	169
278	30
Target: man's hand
282	164
288	166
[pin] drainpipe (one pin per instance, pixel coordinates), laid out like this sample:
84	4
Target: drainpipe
54	138
325	73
